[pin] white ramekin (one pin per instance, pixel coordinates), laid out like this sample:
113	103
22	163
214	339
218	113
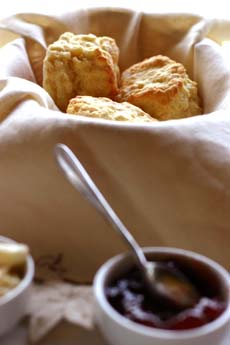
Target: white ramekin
118	330
14	304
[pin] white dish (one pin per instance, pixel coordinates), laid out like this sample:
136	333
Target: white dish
14	304
119	330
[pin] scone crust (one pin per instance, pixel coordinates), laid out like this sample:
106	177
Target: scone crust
161	87
81	65
105	108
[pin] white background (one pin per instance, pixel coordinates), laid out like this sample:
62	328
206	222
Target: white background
212	8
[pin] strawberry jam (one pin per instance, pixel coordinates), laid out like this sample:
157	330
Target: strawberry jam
129	297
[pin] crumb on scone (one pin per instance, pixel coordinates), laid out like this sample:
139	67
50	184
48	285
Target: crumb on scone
104	108
81	65
161	87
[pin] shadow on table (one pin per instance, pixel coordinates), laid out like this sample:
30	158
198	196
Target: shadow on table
68	334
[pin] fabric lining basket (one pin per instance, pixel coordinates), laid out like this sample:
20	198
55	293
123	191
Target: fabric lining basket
168	181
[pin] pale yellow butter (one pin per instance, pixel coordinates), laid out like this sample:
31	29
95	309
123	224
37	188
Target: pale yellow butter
13	254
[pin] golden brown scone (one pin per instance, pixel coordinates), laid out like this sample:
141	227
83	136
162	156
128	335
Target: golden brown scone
81	65
161	87
105	108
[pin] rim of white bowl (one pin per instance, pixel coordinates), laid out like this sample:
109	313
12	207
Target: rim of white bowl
135	327
25	281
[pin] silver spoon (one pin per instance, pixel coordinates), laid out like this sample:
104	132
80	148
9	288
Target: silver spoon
165	283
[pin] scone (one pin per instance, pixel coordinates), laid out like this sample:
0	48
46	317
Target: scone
81	65
161	87
105	108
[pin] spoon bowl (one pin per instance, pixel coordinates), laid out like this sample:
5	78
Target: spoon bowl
163	283
118	329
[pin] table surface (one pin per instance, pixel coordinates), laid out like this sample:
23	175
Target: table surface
63	334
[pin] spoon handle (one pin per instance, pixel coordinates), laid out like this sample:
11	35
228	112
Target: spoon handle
79	178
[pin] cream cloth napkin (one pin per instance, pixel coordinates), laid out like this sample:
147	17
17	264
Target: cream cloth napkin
168	181
57	301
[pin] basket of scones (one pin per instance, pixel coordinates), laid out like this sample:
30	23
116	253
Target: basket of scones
143	99
81	73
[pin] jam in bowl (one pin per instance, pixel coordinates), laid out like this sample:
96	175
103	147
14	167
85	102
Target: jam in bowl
129	296
127	314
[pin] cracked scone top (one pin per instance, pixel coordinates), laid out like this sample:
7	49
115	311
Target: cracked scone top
104	108
161	87
81	65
